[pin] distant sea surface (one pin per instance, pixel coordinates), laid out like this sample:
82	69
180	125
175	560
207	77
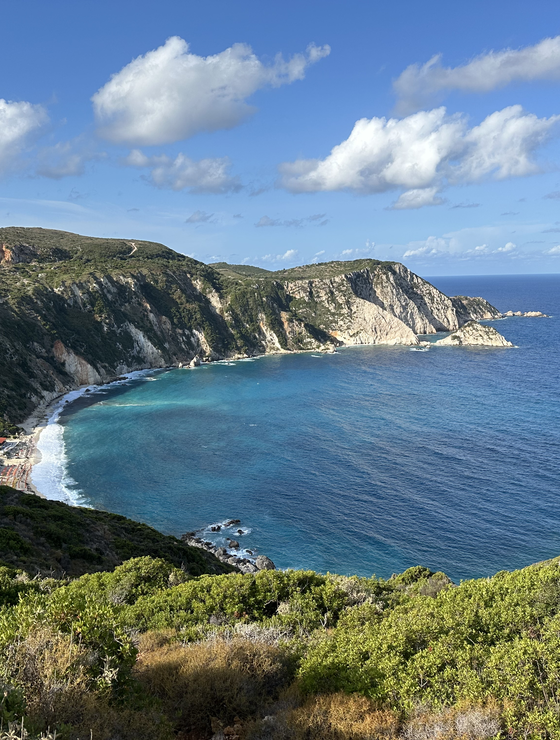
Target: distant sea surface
367	461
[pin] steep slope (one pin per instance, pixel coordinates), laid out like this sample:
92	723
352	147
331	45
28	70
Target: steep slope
76	310
51	538
474	334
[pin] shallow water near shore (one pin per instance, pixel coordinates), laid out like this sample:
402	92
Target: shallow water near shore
367	461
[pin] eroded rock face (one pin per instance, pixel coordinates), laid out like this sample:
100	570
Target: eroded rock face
264	563
384	304
475	334
18	253
79	369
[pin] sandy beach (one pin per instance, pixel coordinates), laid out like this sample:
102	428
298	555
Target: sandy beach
19	454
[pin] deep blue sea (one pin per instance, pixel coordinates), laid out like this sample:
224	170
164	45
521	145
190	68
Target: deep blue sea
367	461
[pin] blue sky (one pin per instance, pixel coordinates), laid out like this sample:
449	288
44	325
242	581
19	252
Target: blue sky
282	133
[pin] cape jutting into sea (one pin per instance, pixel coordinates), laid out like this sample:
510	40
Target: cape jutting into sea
367	461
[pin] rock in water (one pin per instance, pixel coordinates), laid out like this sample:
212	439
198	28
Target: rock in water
264	563
474	334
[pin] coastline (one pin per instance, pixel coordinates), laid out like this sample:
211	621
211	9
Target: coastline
28	454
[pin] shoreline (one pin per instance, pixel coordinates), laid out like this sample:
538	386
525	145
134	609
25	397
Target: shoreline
28	452
26	446
17	469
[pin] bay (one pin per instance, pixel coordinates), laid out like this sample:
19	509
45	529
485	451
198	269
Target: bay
367	461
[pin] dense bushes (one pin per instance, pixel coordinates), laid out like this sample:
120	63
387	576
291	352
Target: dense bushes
278	655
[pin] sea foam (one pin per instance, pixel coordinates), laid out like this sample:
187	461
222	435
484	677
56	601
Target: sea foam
50	475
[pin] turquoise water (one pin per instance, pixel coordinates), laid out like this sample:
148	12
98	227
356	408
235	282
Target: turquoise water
367	461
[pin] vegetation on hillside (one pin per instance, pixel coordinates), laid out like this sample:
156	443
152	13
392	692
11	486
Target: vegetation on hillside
51	538
86	293
148	649
77	310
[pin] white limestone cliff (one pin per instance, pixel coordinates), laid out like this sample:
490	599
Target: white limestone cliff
475	334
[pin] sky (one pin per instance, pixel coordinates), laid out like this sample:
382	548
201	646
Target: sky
284	133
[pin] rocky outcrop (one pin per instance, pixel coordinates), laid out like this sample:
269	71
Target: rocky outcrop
18	253
381	304
473	309
475	334
77	367
264	563
526	314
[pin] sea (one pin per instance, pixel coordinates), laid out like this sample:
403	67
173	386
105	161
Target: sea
367	461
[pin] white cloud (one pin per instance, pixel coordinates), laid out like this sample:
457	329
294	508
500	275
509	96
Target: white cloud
267	221
18	121
466	205
418	198
199	217
296	222
289	254
422	153
509	247
420	85
355	253
204	176
433	246
502	145
456	246
66	159
170	94
554	250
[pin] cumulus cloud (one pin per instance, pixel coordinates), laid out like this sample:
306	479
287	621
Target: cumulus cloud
203	176
422	153
199	217
502	145
433	246
18	122
170	94
66	159
509	247
419	85
417	198
289	254
451	247
296	222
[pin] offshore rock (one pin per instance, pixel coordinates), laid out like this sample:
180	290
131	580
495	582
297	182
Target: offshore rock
474	334
264	563
526	314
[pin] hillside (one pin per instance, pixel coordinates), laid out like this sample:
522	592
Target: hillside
76	310
51	538
150	650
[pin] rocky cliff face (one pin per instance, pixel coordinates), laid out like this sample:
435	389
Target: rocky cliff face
76	310
474	334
